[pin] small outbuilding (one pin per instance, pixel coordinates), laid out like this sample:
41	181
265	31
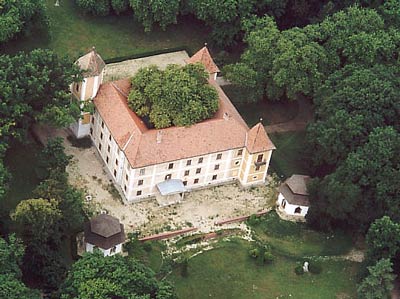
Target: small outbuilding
293	196
105	233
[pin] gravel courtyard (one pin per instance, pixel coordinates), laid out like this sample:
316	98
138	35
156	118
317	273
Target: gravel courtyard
200	208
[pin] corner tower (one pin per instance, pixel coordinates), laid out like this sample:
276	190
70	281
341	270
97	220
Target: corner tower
93	68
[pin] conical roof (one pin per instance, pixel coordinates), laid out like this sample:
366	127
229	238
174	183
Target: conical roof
203	56
91	63
258	140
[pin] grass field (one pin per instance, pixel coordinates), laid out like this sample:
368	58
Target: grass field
289	157
72	33
228	272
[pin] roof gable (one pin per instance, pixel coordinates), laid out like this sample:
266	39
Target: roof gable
203	56
258	140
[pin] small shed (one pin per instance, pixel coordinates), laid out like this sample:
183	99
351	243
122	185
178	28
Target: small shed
105	233
293	196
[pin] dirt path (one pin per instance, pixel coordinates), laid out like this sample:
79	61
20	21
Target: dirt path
299	123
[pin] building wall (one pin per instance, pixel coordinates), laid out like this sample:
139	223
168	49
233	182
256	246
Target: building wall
106	252
196	172
289	208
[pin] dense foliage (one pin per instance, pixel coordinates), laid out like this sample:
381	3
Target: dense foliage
11	286
96	276
34	87
21	16
179	96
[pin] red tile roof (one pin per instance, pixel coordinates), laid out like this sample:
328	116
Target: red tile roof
258	140
203	56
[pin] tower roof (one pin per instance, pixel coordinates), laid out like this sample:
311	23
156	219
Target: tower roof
298	184
105	225
91	63
203	56
258	140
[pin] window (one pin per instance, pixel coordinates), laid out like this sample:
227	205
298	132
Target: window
107	159
255	177
184	183
196	181
216	167
142	171
115	172
200	160
113	250
109	137
116	162
258	168
126	177
198	170
219	156
91	131
168	177
188	162
125	188
240	152
92	119
139	193
214	177
102	124
77	87
260	157
101	135
187	172
170	165
237	163
100	146
108	148
140	182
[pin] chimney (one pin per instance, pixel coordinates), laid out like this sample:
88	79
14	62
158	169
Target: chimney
159	136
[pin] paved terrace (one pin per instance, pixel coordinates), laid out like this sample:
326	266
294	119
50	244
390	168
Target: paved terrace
127	68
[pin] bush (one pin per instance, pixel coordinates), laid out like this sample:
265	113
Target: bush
254	253
119	6
299	270
253	220
147	246
315	268
268	257
184	268
95	7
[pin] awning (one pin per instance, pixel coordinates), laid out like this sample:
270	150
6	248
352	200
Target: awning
170	187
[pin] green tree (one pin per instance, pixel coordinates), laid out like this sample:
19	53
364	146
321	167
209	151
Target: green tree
53	157
96	276
179	96
162	12
11	287
39	218
379	283
17	17
95	7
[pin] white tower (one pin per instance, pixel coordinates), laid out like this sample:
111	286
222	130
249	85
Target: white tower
93	69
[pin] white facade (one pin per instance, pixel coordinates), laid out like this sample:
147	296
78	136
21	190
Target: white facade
290	209
106	252
197	172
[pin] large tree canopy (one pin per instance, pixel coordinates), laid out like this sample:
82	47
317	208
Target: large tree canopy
96	276
18	16
179	96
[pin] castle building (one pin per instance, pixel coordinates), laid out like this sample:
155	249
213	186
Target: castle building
165	163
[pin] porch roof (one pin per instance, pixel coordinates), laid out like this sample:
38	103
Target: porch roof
170	187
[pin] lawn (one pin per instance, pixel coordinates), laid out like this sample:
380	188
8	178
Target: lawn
72	34
228	272
272	112
289	157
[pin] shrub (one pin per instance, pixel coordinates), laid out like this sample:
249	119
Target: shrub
119	6
299	270
253	220
268	257
315	268
254	253
95	7
184	268
147	246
